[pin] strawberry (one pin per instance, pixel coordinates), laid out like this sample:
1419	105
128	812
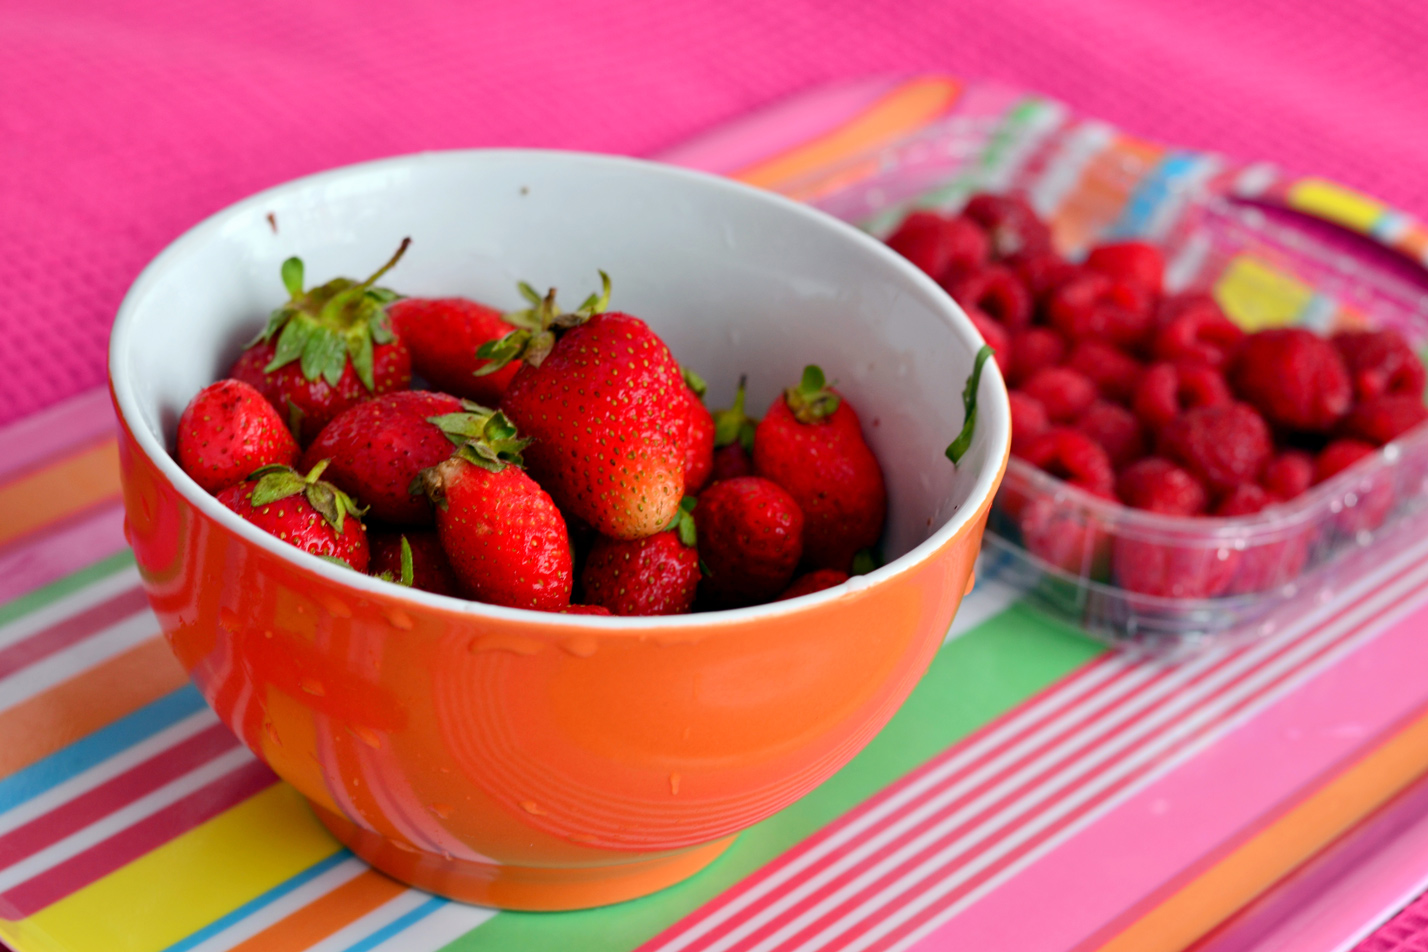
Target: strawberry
815	581
656	575
304	511
605	406
699	448
502	534
751	535
734	438
585	610
414	559
811	444
443	335
326	349
377	448
227	431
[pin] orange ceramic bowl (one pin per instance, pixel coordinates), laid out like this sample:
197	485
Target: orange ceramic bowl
529	760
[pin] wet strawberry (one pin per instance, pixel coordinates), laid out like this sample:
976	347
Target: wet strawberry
751	538
656	575
811	444
376	449
504	537
606	408
304	511
443	335
412	558
227	431
326	349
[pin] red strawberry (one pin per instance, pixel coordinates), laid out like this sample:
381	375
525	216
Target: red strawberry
378	447
304	511
734	438
227	431
815	581
326	349
603	402
585	610
443	335
699	450
811	444
751	537
503	535
656	575
414	559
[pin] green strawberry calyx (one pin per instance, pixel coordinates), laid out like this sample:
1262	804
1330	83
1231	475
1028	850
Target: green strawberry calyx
325	327
958	447
732	423
683	522
694	382
538	327
812	401
483	437
408	573
276	482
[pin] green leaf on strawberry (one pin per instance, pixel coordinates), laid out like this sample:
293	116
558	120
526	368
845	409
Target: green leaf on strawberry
694	382
812	401
683	522
538	327
278	482
732	423
483	437
958	448
331	324
408	571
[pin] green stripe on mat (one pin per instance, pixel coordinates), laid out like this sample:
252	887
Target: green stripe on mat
68	585
973	679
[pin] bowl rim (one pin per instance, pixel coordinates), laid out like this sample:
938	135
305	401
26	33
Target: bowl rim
993	409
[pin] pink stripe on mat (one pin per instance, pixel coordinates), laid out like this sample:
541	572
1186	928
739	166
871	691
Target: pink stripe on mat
61	550
143	837
115	794
71	630
58	430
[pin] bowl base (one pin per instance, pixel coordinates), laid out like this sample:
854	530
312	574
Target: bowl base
529	888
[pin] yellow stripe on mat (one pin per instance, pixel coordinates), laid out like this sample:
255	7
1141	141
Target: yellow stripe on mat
906	109
1313	824
192	880
64	487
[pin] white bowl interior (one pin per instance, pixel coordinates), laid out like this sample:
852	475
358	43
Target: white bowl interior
735	281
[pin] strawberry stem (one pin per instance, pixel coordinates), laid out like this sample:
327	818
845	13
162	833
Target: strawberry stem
958	447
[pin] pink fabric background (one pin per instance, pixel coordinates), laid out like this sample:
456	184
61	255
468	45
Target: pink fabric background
123	123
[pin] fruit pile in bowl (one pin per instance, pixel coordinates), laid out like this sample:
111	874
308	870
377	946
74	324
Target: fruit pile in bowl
1163	455
505	740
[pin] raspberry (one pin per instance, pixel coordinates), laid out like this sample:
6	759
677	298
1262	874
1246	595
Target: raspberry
1091	305
967	247
1010	223
1382	419
1269	564
1288	474
1166	390
1158	485
1172	306
1168	570
995	290
1114	372
1064	537
1065	393
1028	420
1201	334
1220	446
1294	377
922	239
1116	430
1244	500
1041	271
996	337
1073	457
1380	362
1339	456
1034	349
1133	261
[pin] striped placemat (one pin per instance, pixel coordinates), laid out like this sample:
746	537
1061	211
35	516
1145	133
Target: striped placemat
1034	792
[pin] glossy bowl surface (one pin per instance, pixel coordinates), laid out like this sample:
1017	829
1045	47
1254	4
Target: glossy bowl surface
529	760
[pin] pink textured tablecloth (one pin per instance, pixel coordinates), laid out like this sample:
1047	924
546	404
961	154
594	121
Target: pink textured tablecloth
123	123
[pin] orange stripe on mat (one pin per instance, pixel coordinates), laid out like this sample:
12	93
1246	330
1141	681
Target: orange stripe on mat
1293	838
55	491
904	110
320	919
76	708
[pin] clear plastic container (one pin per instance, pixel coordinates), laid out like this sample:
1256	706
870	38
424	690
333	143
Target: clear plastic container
1128	576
